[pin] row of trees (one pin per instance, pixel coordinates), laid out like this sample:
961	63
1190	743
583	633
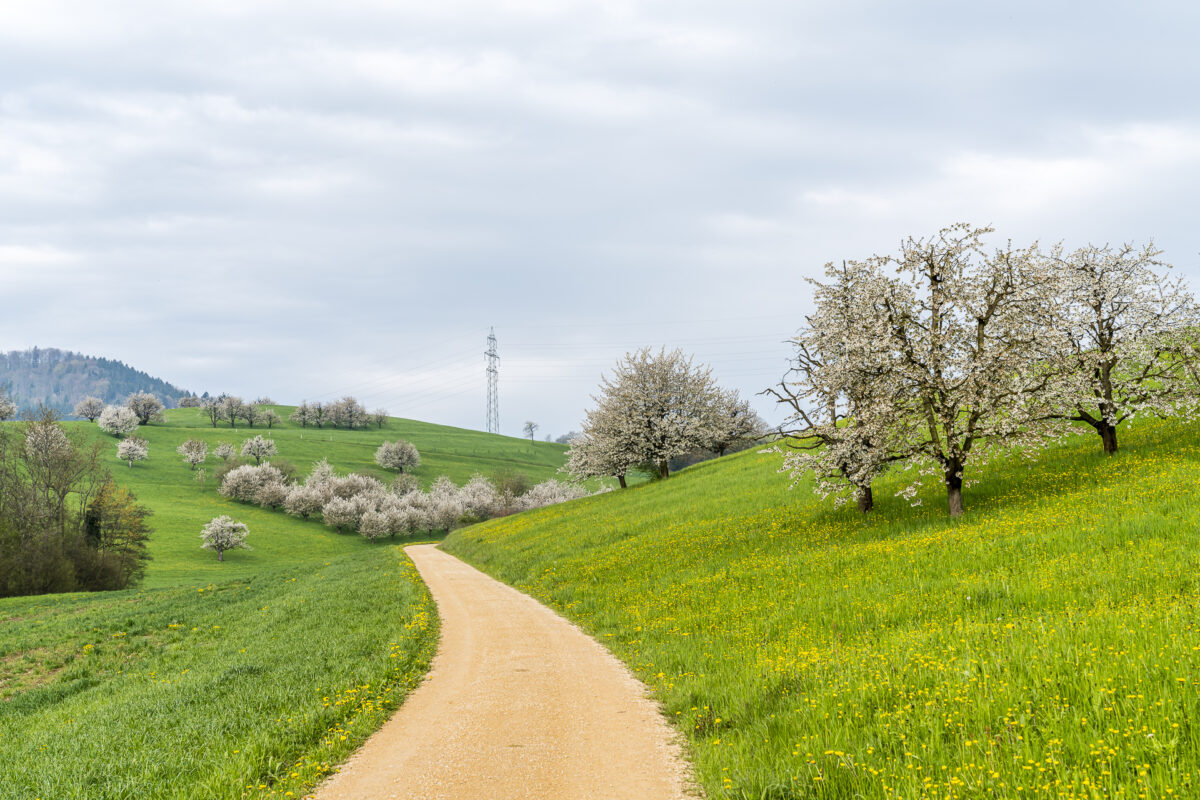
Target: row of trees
940	356
656	407
141	408
232	409
364	504
344	413
64	524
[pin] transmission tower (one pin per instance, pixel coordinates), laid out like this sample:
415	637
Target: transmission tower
493	377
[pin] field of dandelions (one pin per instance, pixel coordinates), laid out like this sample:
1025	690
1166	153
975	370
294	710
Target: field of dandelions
1046	645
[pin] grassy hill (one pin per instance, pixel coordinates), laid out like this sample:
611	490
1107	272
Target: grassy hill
182	506
249	678
1047	644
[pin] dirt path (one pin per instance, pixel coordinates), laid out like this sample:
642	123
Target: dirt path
519	704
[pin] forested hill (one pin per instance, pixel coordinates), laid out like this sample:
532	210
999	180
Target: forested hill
59	379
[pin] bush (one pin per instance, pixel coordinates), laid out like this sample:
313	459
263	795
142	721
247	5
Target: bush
243	483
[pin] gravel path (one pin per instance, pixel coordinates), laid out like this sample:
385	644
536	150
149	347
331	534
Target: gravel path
519	704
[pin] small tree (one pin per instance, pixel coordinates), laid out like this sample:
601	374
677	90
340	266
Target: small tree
374	525
8	409
224	451
380	417
118	420
304	501
146	406
214	411
194	452
133	449
302	414
251	412
530	428
340	513
734	422
258	448
271	418
398	455
231	409
89	408
224	533
1123	326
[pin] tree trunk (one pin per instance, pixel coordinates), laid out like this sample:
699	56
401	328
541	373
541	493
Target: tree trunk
220	555
866	499
1108	435
663	470
621	480
954	496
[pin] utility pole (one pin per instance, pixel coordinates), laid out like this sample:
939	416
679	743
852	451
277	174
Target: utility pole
493	377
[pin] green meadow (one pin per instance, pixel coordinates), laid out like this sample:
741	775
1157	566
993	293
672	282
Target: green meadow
249	678
1047	644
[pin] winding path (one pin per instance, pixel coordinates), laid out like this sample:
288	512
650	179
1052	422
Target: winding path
519	704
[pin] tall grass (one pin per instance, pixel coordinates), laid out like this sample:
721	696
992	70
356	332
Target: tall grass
1045	645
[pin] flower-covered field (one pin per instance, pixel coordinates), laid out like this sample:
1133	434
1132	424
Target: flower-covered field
245	689
1047	644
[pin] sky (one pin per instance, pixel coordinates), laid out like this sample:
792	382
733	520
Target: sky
307	200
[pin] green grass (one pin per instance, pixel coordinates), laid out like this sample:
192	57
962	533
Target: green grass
1045	645
248	678
248	688
182	507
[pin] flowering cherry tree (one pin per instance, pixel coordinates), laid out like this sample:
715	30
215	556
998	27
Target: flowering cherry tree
89	408
1124	328
133	449
398	455
259	448
224	533
194	452
146	406
118	420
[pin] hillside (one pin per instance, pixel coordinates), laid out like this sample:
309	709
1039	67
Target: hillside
1047	644
248	678
59	379
182	506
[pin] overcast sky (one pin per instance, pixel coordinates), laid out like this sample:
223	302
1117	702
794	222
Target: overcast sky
306	200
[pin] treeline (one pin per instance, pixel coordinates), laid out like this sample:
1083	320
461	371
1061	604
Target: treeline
64	524
58	379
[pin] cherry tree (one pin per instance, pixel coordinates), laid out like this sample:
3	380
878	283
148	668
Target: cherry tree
117	420
380	417
654	407
340	513
214	411
597	452
146	406
89	408
224	451
8	409
849	418
259	448
194	452
1124	329
968	338
304	501
224	533
231	409
398	455
272	418
133	449
734	422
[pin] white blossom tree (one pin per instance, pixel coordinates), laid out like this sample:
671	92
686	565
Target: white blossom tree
89	408
146	406
340	513
273	494
194	452
271	418
849	417
399	455
259	448
224	451
242	483
380	417
118	421
251	413
231	409
304	501
968	335
375	525
133	449
1124	327
734	422
654	407
302	414
8	409
224	533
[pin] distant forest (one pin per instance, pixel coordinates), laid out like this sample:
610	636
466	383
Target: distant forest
59	379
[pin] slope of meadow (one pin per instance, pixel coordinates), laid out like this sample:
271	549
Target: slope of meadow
1047	644
182	506
248	678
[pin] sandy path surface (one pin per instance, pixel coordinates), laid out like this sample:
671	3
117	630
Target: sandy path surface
519	704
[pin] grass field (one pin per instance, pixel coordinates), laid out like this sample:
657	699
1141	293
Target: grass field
182	506
1045	645
248	678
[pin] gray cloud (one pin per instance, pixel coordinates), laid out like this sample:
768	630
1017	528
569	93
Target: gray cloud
307	201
